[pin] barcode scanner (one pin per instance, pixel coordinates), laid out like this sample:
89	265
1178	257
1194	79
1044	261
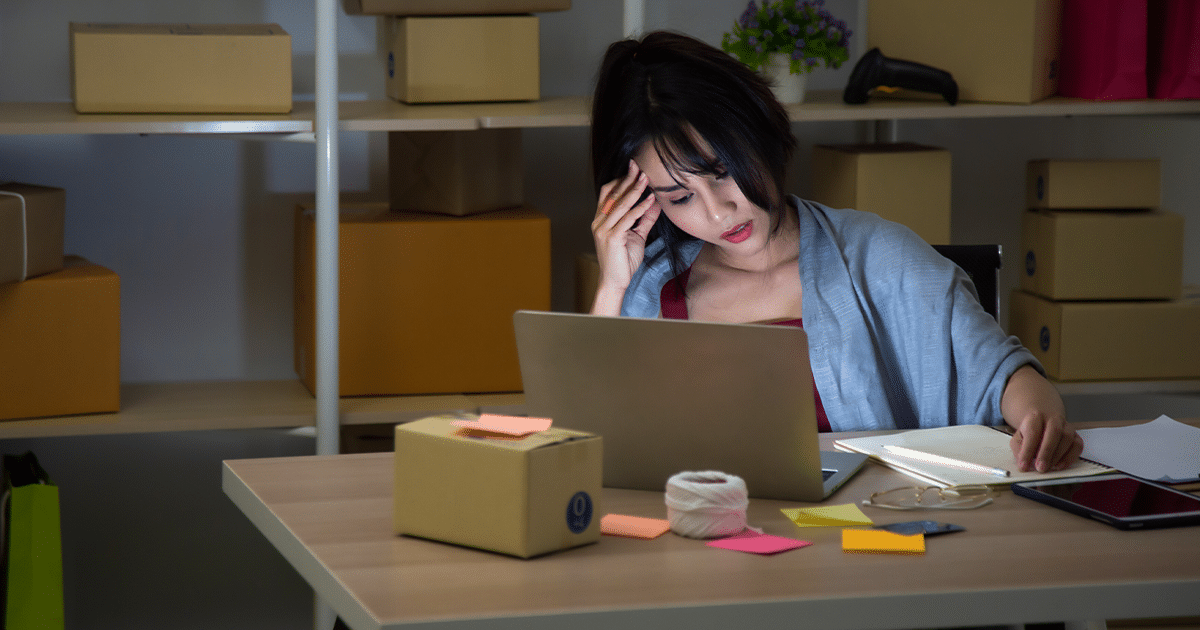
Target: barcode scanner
875	70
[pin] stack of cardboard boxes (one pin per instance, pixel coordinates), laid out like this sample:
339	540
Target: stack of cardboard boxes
429	280
1101	294
59	315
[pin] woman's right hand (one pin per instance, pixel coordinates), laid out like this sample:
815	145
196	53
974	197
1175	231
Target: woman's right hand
620	229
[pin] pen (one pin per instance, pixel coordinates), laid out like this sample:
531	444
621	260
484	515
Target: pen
946	461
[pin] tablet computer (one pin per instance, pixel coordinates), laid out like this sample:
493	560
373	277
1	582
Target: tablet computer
1118	499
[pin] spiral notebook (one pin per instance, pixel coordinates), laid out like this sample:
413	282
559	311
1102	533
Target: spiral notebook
976	444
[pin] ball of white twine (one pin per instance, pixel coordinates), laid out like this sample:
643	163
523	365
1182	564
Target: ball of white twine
706	504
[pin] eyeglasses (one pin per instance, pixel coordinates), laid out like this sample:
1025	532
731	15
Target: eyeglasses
933	498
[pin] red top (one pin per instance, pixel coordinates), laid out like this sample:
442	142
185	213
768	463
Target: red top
674	306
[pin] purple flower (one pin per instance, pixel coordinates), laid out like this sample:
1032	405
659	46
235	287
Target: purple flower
793	29
797	54
748	14
833	33
810	30
799	44
767	35
753	41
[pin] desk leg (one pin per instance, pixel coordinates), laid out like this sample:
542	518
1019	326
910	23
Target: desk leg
323	615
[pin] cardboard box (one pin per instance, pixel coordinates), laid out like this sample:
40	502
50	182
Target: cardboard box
1092	184
61	339
452	7
997	50
1106	255
1110	340
456	172
523	497
464	59
902	182
31	230
181	68
587	281
426	300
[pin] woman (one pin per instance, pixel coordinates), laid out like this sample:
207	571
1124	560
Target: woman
689	149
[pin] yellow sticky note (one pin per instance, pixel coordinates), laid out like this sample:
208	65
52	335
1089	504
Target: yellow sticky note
828	516
881	541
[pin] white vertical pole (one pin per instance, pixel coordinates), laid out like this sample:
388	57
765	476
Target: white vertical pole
325	126
634	18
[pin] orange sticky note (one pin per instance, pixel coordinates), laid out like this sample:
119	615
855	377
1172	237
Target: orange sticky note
881	541
633	526
507	425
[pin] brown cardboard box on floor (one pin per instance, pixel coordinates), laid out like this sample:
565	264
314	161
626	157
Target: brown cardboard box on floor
61	339
997	50
1110	340
1093	184
1102	255
456	172
523	497
31	230
181	68
452	7
425	300
902	182
461	59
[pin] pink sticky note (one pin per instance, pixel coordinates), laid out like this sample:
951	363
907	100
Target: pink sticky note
633	526
508	425
753	542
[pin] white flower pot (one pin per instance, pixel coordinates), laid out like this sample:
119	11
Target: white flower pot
788	87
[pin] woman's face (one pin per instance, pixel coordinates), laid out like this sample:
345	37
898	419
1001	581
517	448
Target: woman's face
710	207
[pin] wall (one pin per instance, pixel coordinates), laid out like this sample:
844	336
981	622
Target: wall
199	229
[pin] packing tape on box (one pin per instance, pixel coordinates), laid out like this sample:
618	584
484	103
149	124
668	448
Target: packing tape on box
24	234
707	504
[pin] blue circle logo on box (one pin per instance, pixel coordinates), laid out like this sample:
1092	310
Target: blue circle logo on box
391	65
1030	263
579	512
1044	339
1041	188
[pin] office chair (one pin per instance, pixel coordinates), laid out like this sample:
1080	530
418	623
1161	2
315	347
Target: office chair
982	264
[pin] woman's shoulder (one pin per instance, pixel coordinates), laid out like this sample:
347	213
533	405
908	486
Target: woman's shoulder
861	237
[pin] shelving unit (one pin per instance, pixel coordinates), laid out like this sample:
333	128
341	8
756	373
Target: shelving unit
236	405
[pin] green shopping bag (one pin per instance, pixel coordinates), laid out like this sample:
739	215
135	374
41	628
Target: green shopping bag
32	547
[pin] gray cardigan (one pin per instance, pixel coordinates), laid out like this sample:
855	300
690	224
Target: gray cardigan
897	338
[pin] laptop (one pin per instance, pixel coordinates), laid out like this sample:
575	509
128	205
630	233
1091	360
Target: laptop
669	396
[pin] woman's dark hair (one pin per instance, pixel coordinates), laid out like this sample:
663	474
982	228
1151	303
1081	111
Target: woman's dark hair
672	90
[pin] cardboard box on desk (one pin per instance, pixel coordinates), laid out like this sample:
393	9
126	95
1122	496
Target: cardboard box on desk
181	68
522	497
452	7
61	340
1110	340
464	59
1102	255
31	230
425	300
456	172
902	182
997	50
1092	184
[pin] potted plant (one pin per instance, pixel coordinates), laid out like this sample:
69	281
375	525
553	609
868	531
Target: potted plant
788	38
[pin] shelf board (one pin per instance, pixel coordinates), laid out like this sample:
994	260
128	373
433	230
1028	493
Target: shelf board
1125	388
203	406
18	118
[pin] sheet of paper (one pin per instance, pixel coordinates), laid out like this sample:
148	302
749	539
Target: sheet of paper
507	425
754	542
1163	449
880	541
633	526
828	516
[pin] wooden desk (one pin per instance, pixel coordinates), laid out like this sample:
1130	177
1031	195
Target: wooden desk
1018	562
